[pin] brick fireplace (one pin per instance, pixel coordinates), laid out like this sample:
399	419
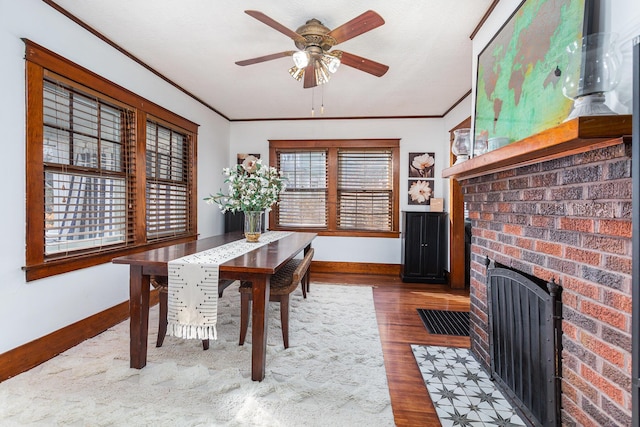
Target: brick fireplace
558	206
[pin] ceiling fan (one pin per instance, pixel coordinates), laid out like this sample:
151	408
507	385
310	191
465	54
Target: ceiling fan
315	61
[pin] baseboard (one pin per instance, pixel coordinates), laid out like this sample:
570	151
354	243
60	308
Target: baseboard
355	268
30	355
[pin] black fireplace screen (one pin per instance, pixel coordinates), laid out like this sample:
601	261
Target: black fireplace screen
525	343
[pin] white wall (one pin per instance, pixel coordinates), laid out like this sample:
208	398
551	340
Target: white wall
31	310
416	135
456	116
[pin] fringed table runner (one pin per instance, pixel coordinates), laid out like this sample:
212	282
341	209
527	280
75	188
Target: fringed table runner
193	287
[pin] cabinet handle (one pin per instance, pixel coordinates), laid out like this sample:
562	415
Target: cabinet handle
425	244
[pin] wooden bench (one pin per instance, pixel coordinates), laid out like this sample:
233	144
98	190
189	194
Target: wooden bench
283	283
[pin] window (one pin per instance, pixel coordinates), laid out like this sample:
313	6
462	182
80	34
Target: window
338	187
84	173
304	201
167	182
107	171
365	189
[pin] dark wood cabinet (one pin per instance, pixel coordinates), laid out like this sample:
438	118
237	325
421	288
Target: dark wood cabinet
424	247
234	221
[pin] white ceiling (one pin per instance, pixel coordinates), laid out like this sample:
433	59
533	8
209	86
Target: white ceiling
195	44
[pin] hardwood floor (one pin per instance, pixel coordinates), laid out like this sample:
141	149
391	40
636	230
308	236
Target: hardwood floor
400	326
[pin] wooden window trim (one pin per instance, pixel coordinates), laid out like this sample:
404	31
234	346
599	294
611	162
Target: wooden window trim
332	145
41	62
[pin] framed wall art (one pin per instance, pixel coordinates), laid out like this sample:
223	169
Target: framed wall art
421	174
519	73
420	191
243	156
421	165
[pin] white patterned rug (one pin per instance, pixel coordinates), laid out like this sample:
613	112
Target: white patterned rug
461	390
331	375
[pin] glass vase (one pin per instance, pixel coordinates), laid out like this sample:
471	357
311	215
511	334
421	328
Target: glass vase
481	145
252	225
461	144
593	70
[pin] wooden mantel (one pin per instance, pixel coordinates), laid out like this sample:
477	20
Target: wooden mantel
575	136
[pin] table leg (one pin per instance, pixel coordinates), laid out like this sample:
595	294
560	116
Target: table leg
260	295
139	313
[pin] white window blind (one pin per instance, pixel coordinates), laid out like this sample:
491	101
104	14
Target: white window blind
167	211
84	171
365	189
304	201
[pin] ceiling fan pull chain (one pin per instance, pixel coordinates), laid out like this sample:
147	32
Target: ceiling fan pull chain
313	91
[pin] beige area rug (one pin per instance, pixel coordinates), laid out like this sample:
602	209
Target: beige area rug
331	375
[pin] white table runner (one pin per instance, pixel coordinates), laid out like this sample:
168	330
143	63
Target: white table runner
193	287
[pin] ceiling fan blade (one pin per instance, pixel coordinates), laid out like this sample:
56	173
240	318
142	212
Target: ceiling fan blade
310	76
275	25
362	64
265	58
358	25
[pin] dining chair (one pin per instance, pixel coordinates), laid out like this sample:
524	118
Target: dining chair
162	284
282	284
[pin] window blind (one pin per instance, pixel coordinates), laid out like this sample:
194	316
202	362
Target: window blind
304	201
167	212
365	189
85	206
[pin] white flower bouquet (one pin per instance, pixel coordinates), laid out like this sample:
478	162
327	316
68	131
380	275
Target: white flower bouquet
252	187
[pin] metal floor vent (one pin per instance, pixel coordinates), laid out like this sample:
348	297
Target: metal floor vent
443	322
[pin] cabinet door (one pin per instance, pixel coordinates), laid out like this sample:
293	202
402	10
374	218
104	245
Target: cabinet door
431	245
414	232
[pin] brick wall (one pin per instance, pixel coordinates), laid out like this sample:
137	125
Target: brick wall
567	219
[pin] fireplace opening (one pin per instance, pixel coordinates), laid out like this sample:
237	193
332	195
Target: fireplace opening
525	315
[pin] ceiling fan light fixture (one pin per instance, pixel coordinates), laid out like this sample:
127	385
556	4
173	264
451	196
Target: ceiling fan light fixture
296	73
301	59
322	73
331	62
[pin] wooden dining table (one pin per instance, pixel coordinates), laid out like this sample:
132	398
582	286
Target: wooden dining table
256	266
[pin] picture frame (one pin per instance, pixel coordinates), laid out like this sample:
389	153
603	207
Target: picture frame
437	205
241	157
422	165
420	191
519	72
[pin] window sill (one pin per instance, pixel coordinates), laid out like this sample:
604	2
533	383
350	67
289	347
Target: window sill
344	233
65	265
